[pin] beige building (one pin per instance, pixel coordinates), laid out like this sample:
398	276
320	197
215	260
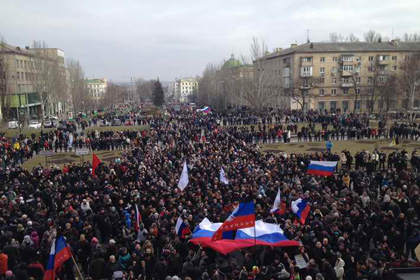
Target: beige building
333	75
96	87
33	81
184	87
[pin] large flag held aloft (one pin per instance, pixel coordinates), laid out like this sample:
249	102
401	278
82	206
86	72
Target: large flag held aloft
183	180
263	234
301	208
95	163
242	217
322	168
223	177
59	254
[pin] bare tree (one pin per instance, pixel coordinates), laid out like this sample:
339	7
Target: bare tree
114	94
352	38
372	36
266	87
301	90
79	94
414	37
144	89
409	82
388	93
336	37
49	75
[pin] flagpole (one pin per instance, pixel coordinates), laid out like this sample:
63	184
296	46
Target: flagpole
78	270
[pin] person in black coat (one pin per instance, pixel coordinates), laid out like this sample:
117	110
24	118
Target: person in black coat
111	267
97	267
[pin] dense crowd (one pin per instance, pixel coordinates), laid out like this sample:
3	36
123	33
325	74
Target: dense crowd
363	220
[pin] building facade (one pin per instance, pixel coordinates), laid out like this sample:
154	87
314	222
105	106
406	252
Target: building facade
339	76
33	82
184	87
96	88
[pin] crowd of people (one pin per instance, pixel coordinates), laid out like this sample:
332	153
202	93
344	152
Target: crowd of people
363	220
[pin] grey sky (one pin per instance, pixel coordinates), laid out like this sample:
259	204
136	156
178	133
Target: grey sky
177	38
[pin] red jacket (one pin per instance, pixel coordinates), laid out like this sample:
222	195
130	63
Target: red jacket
3	263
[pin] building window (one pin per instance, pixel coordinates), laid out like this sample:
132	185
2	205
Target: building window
357	105
394	57
383	57
371	69
394	68
334	92
407	57
306	59
348	68
357	91
382	79
17	63
345	106
347	58
335	59
371	58
358	80
322	70
321	105
322	81
383	68
333	105
322	59
333	81
18	75
370	80
345	91
321	92
334	70
306	71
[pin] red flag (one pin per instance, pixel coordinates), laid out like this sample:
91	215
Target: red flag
95	163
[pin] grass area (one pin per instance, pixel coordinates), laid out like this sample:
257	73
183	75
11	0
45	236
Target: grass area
353	146
10	133
60	159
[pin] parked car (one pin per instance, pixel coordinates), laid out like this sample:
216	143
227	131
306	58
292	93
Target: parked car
48	123
13	124
35	124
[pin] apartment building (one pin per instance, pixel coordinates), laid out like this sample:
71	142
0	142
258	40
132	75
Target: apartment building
185	87
33	81
96	87
331	76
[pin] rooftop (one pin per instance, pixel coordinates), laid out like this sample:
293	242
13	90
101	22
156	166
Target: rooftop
95	80
315	47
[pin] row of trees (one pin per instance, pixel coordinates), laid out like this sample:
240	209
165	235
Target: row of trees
372	36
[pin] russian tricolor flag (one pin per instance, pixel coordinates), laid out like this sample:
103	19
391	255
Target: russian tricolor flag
322	168
242	217
59	254
182	229
301	208
263	234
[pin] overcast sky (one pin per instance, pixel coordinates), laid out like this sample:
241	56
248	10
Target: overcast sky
118	39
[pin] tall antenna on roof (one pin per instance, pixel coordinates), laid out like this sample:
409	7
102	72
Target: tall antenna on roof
307	36
392	37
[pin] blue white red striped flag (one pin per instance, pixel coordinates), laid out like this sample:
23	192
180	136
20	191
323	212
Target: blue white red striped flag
59	254
182	229
322	168
301	208
242	217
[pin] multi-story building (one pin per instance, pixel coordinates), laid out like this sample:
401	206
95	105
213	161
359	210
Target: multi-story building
96	87
184	87
338	76
33	81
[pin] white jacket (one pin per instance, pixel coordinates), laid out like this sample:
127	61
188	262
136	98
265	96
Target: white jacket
339	269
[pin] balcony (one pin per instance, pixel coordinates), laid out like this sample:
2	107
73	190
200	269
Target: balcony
346	73
383	62
346	84
306	74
